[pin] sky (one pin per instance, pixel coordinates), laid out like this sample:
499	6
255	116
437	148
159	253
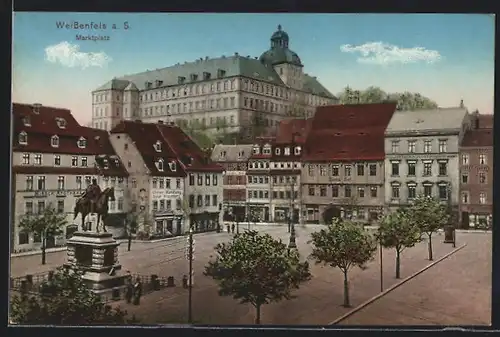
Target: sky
446	57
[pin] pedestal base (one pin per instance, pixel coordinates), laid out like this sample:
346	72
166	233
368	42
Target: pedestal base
97	255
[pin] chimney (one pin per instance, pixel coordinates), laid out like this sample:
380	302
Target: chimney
236	54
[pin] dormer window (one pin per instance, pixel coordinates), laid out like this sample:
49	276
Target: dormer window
241	154
256	150
297	151
27	121
105	164
159	165
287	151
173	166
23	138
54	141
223	154
117	162
157	146
277	151
267	149
61	123
82	143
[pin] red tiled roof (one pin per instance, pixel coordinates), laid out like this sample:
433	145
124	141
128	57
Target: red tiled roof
348	132
478	138
485	121
42	125
188	153
286	128
175	146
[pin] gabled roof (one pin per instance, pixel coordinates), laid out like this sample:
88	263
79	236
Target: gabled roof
145	136
110	166
427	120
192	158
233	66
42	126
348	132
288	127
175	146
478	138
231	153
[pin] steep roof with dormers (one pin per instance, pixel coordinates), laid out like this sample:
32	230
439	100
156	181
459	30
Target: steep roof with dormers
40	124
169	144
231	153
352	132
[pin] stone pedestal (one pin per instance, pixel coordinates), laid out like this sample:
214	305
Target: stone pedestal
97	255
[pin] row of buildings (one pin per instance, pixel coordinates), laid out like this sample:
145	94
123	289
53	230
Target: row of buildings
155	169
233	91
358	160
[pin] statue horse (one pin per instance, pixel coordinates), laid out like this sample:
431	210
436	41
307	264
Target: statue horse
83	207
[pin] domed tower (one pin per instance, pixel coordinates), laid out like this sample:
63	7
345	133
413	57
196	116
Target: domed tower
284	61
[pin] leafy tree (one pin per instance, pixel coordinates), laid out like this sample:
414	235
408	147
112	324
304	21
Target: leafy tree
45	224
405	101
398	232
257	269
428	215
64	299
344	245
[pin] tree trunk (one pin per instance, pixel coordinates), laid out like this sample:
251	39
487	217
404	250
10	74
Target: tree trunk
44	241
398	263
257	314
347	303
129	241
430	246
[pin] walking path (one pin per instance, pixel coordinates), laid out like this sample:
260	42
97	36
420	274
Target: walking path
456	291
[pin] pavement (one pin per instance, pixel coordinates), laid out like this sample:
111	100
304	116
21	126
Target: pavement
460	293
316	302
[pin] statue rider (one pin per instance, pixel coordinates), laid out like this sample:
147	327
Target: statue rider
92	193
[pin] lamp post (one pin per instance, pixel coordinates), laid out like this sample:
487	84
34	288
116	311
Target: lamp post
450	212
381	252
190	285
292	243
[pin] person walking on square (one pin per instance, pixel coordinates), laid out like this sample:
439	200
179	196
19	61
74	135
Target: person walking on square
137	291
232	228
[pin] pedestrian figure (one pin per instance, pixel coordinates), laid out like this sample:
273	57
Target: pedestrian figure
232	228
228	228
137	291
129	293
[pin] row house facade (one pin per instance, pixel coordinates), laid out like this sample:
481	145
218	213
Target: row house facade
343	163
234	160
54	160
285	170
422	155
258	179
174	184
476	174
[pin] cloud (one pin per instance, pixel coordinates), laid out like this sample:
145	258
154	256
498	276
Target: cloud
384	53
69	55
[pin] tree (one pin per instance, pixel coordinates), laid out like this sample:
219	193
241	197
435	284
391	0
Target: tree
257	269
45	224
405	101
64	299
428	215
344	245
398	232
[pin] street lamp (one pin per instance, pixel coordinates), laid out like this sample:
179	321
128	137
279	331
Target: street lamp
292	243
190	286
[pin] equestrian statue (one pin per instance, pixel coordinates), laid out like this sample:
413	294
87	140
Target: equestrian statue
93	200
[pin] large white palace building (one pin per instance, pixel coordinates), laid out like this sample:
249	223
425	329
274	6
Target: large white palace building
229	92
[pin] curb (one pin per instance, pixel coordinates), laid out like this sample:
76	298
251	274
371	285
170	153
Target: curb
388	290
